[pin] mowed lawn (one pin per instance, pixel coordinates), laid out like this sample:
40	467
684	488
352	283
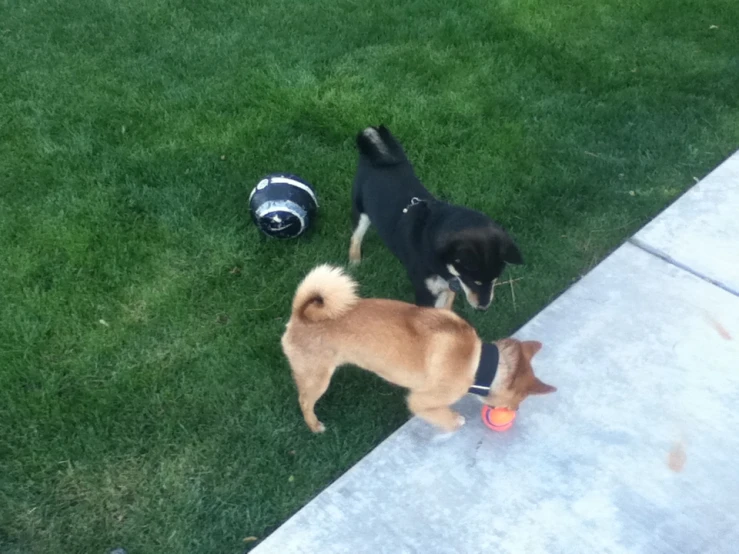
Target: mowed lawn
144	399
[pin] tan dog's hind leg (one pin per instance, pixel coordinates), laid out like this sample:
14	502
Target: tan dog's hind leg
435	410
312	383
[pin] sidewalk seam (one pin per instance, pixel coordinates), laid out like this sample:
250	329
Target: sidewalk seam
664	257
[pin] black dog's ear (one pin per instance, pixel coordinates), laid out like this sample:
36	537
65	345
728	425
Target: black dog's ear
466	258
510	252
459	254
445	249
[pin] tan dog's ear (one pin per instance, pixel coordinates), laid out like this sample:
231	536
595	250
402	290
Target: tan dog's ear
530	348
539	387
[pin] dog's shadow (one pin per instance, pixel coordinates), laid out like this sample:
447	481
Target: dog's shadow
358	399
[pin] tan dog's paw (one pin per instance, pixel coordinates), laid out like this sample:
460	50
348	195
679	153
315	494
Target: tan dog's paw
448	431
452	423
316	427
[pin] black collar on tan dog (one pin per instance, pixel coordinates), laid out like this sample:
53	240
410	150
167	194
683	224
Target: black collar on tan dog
486	369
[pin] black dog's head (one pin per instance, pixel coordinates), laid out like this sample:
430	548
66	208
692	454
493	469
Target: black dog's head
476	252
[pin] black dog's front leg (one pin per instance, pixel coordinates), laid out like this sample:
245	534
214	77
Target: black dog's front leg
424	297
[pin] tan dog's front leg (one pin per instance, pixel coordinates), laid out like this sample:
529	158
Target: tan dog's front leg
426	406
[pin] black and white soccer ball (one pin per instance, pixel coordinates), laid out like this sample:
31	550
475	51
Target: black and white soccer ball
282	206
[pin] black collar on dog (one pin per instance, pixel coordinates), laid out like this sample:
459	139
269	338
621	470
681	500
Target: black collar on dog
486	370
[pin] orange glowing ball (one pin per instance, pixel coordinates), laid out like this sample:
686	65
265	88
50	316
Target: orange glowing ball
498	419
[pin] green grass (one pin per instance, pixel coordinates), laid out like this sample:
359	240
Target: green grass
144	400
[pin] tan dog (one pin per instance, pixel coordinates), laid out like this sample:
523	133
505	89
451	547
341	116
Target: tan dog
433	352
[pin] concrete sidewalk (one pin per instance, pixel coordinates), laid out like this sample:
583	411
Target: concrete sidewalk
638	451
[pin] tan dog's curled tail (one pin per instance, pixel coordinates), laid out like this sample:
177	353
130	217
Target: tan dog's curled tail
325	293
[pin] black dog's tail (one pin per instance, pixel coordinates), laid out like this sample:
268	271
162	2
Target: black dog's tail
380	146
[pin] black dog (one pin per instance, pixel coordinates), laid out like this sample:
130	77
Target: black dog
442	246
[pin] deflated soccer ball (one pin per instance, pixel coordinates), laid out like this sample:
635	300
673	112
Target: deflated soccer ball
282	206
